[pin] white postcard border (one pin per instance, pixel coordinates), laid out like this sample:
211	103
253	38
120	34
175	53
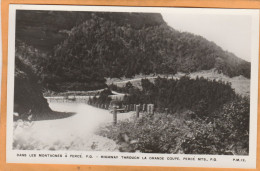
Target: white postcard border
222	161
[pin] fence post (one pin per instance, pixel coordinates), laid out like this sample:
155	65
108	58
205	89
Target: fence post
114	115
148	108
166	111
137	110
134	107
214	125
152	108
126	108
143	107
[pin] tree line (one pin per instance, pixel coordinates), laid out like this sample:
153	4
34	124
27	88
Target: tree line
199	95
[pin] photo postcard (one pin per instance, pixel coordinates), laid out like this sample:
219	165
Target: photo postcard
135	86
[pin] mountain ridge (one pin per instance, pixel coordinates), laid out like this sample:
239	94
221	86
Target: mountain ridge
117	44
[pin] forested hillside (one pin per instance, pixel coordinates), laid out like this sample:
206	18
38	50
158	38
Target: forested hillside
45	29
98	45
28	98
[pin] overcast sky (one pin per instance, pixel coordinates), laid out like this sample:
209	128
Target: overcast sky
231	32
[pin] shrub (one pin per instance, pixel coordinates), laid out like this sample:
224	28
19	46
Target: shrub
158	134
225	132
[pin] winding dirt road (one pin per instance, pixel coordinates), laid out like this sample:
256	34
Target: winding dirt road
73	133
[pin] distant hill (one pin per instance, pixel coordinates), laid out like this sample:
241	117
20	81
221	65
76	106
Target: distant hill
85	47
45	29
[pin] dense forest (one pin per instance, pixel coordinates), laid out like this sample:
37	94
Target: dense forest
95	46
46	29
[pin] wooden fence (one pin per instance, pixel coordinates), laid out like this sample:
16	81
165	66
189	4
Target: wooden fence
144	108
137	108
78	99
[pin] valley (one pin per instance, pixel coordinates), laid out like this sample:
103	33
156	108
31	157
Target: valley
125	82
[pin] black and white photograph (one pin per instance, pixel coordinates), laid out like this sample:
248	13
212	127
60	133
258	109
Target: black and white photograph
132	86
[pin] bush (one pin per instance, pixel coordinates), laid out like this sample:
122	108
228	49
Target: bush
148	134
225	132
103	97
200	95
